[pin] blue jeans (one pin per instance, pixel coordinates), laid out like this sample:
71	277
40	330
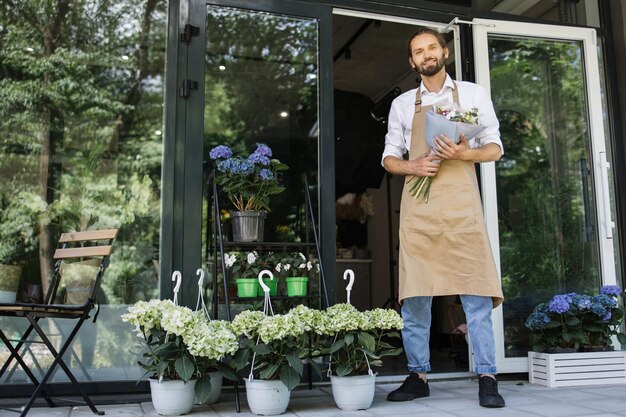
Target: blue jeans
416	312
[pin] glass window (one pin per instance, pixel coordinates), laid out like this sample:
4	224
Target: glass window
574	12
81	110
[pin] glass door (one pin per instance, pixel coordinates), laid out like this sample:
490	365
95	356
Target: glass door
547	200
263	72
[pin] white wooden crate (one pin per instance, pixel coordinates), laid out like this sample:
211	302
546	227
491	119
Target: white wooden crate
578	368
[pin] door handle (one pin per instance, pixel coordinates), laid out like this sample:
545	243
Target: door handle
609	224
584	174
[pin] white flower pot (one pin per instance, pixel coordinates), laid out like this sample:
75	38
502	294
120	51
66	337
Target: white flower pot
577	368
172	398
267	398
353	392
216	388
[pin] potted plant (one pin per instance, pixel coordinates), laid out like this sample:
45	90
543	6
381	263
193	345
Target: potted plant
245	268
182	346
248	181
357	341
18	217
273	347
572	327
296	267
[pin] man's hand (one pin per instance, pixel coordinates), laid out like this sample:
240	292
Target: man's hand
446	149
425	165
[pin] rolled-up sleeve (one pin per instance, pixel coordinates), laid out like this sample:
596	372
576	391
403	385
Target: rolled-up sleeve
394	139
486	117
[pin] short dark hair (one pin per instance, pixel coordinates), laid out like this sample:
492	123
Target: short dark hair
424	31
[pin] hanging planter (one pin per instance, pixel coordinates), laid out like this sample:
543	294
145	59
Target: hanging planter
297	286
248	225
247	287
172	398
353	392
216	379
267	398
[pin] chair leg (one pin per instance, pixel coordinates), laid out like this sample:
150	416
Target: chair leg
58	360
20	361
22	341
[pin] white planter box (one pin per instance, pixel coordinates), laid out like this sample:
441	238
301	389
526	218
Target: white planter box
579	368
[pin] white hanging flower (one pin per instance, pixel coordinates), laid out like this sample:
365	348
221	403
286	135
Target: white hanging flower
309	265
251	257
287	267
278	266
302	256
302	266
230	260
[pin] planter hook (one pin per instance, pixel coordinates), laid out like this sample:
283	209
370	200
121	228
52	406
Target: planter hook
349	273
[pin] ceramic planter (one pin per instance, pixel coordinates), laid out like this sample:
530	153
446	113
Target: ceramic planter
297	286
353	392
577	368
172	398
9	282
267	398
248	225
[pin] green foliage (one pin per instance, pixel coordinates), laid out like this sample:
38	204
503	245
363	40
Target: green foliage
578	320
19	217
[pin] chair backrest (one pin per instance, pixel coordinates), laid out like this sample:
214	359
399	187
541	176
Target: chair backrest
90	251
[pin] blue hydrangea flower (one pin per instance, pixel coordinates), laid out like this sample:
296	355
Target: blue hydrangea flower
257	158
225	165
266	174
610	290
263	149
560	303
220	152
606	300
246	167
607	316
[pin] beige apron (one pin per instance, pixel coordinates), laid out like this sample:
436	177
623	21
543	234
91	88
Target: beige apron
444	247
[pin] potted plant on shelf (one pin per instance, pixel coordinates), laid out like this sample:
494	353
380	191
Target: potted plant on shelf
182	347
357	341
245	268
571	327
296	267
18	237
273	347
248	181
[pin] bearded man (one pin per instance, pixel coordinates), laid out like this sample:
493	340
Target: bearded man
444	247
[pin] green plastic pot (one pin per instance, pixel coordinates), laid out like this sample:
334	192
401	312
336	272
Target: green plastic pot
247	287
296	286
272	283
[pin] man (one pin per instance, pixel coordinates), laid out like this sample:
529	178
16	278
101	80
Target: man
444	247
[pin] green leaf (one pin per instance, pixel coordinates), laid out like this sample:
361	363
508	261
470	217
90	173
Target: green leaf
227	372
160	368
203	388
393	334
621	337
241	359
385	345
573	321
343	369
367	341
184	368
262	349
294	361
269	371
349	339
391	352
289	376
337	345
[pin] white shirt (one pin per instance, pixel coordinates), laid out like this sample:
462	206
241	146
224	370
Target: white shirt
398	138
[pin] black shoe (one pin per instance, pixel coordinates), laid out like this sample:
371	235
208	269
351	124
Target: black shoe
413	387
488	395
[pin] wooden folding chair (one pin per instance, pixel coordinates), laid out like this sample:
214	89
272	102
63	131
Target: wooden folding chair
95	244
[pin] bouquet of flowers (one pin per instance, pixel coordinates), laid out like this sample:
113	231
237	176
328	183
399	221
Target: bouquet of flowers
578	320
249	181
451	121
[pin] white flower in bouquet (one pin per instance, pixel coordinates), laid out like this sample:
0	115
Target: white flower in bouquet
230	260
251	257
452	121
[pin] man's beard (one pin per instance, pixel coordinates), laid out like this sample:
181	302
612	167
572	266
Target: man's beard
431	70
